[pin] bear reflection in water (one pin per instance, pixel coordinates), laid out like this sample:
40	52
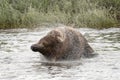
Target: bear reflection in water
63	43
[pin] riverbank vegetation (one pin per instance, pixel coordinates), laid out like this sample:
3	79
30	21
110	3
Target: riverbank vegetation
81	13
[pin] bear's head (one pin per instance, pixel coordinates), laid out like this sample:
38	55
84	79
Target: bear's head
48	44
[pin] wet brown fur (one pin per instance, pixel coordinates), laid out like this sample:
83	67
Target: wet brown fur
63	43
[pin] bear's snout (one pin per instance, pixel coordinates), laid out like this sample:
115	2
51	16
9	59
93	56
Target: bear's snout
35	47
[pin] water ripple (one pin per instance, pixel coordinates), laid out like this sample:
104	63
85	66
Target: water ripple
18	62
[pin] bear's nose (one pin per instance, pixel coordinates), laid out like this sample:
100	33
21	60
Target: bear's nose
35	48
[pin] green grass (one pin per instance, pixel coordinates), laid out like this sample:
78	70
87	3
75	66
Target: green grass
81	13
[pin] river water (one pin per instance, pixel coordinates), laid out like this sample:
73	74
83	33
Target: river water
18	62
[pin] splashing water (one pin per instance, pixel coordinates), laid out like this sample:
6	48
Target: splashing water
18	62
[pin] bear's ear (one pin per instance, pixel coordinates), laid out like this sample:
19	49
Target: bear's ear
52	33
60	39
59	36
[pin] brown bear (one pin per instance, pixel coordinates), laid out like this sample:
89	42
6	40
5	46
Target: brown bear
63	43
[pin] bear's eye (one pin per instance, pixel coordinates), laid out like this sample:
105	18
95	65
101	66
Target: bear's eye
45	44
48	44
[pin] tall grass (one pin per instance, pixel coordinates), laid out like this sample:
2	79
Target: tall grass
81	13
